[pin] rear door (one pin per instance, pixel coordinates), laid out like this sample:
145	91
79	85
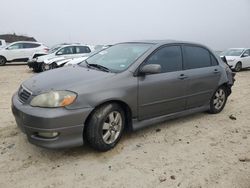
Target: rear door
29	49
81	50
203	73
163	93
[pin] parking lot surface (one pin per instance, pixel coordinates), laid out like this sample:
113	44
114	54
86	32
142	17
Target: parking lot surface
200	150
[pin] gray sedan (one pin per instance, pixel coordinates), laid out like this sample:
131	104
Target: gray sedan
127	86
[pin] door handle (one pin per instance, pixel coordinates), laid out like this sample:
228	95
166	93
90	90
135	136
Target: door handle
182	77
216	71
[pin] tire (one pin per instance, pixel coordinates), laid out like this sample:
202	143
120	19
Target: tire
2	61
218	100
238	67
36	69
45	67
105	127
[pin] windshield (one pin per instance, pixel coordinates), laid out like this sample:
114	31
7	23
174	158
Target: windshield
119	57
54	48
232	52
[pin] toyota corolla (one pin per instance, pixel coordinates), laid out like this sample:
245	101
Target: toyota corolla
127	86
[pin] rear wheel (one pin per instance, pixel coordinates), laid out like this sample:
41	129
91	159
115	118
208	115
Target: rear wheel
2	61
105	127
238	67
218	101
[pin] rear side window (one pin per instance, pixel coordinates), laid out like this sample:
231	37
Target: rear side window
82	49
0	43
30	45
196	57
214	61
169	57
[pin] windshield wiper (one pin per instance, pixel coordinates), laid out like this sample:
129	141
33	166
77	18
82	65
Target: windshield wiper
100	67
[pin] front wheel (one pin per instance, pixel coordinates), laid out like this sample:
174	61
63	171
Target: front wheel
238	67
2	61
46	67
105	127
218	101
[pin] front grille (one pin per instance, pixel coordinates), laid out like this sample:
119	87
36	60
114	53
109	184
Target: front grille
24	94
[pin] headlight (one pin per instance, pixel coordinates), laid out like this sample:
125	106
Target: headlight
54	99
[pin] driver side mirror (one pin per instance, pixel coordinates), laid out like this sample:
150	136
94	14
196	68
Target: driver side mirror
150	69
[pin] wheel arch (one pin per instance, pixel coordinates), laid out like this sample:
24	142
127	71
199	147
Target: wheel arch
227	87
3	57
123	105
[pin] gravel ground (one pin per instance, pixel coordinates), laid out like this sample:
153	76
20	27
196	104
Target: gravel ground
200	150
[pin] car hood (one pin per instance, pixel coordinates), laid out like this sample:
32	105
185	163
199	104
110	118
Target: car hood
45	57
231	58
72	78
76	60
53	59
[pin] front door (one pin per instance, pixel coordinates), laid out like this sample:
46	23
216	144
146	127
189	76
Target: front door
163	93
246	59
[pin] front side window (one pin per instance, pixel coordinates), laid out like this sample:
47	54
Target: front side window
66	50
119	57
82	49
196	57
247	52
169	57
16	46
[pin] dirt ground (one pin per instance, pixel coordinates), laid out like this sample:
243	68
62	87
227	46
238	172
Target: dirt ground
197	151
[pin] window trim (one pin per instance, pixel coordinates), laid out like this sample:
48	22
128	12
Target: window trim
137	72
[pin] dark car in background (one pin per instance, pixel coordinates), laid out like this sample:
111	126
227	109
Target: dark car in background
127	86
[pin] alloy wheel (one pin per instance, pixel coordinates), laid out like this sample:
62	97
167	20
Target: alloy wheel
112	127
219	99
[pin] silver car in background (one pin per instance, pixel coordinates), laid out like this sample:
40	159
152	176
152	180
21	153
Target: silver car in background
127	86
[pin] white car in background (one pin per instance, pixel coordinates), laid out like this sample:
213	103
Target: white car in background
20	51
69	51
237	58
78	60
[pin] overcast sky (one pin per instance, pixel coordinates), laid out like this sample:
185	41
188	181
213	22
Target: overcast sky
219	24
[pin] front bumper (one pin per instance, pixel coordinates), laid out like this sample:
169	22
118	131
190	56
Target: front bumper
69	124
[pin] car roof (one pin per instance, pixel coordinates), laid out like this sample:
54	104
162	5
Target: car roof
162	42
32	42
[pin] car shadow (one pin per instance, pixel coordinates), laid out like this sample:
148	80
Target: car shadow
60	155
15	64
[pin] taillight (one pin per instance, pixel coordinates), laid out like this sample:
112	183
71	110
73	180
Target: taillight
46	49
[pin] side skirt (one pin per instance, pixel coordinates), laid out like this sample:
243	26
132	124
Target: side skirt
145	123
